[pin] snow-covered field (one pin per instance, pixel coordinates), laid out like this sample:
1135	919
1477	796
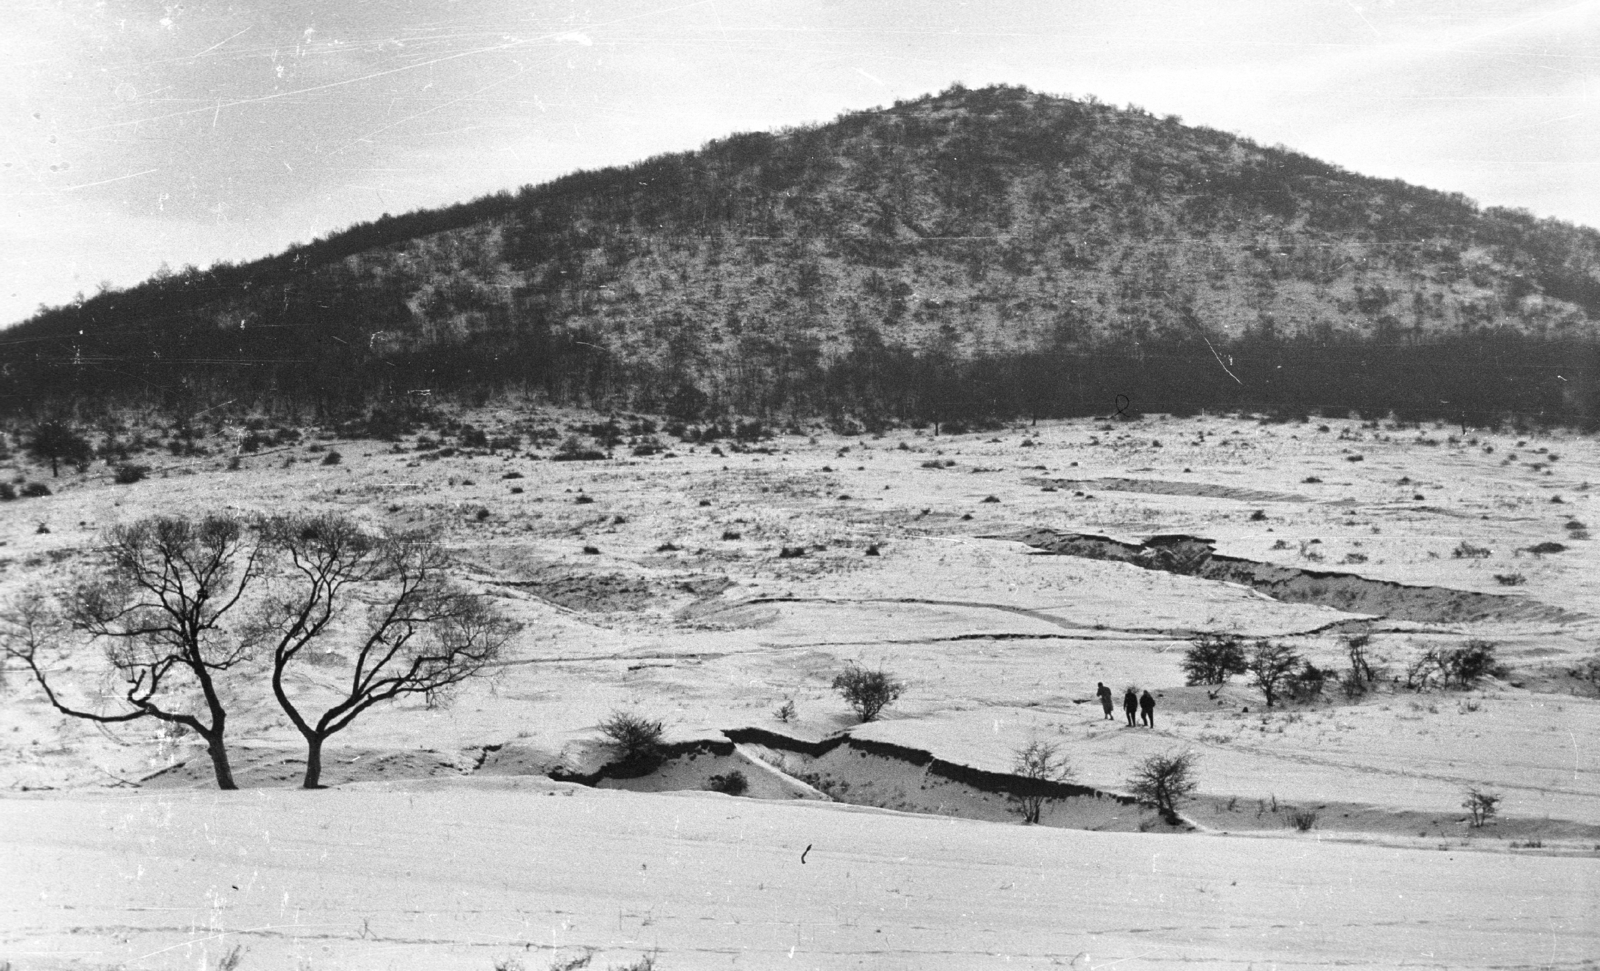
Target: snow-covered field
442	844
456	874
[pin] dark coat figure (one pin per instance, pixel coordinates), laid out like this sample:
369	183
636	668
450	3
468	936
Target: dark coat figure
1147	710
1105	697
1130	706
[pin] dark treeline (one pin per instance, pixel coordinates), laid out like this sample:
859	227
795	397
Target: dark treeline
1484	378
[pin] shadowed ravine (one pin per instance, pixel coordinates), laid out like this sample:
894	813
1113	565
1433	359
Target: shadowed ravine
865	772
1350	592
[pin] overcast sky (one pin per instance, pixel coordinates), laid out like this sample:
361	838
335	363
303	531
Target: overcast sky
138	132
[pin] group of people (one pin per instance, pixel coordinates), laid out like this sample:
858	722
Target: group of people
1142	705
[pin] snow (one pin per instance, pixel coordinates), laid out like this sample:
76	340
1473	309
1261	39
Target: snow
453	874
443	845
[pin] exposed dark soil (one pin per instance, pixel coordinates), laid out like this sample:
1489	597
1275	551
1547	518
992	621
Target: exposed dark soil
615	592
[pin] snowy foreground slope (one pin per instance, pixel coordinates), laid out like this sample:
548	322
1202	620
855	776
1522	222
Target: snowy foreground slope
477	874
659	584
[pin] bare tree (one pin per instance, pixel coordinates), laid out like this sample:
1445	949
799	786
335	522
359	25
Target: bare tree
157	610
56	441
1363	674
1164	781
28	625
1041	765
385	598
1356	646
1270	666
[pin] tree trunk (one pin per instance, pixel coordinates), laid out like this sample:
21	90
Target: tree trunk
219	762
313	762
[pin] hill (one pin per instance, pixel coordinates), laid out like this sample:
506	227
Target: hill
975	253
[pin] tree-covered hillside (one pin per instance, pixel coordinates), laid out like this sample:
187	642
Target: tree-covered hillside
976	252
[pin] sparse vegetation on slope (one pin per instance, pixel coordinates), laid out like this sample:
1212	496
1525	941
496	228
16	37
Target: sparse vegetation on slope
978	252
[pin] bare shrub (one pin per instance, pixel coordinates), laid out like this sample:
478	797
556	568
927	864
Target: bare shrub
1466	551
635	738
128	474
1462	667
1470	663
1164	781
575	449
1421	673
868	692
573	963
786	712
1040	765
1213	659
1481	806
1307	683
1588	670
733	783
1303	820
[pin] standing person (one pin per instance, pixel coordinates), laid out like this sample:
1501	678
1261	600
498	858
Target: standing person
1147	710
1130	705
1105	697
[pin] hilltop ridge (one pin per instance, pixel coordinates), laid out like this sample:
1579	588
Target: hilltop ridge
991	251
